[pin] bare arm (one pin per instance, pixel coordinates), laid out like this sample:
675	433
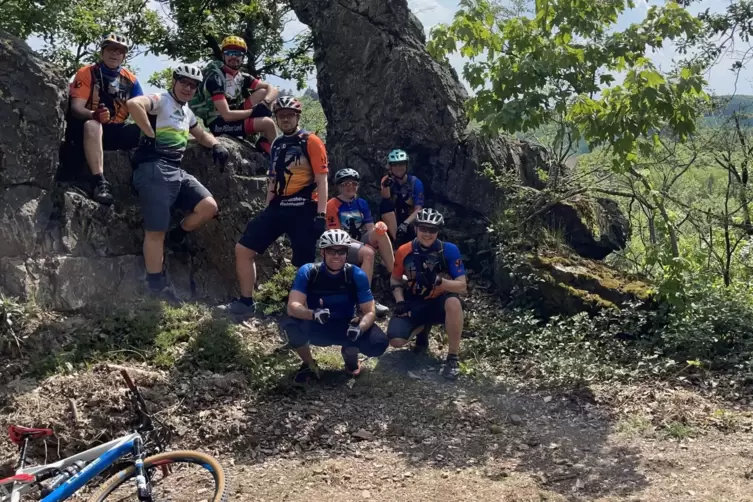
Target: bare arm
412	217
78	107
231	115
369	226
458	285
203	137
138	107
272	91
369	315
321	188
297	306
397	292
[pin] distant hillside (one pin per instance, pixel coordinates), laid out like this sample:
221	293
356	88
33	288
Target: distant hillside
726	106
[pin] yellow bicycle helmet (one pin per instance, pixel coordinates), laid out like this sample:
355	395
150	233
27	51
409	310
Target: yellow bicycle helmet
233	42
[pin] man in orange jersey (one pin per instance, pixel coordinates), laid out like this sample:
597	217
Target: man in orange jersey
98	110
296	202
427	281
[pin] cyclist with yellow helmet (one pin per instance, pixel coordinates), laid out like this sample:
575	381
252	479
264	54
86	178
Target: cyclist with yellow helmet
235	103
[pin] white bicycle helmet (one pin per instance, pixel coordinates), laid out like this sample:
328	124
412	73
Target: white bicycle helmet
188	71
428	216
287	103
332	238
115	39
347	173
397	156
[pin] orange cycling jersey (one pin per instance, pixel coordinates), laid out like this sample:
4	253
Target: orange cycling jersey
295	160
98	84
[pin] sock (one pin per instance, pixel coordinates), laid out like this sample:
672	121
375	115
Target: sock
247	301
156	281
264	144
98	178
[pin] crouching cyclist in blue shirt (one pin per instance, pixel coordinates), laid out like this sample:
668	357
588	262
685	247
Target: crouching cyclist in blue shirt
323	305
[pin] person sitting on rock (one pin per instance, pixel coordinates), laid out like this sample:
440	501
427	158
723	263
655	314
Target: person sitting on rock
234	103
428	277
98	111
165	121
323	305
402	197
352	214
296	202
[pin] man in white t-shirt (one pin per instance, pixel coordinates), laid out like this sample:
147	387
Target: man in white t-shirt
165	121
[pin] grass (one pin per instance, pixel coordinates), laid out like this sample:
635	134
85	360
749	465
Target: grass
187	338
634	426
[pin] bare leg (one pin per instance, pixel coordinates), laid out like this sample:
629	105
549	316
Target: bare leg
305	354
93	146
202	213
384	245
245	267
391	220
453	323
366	261
154	247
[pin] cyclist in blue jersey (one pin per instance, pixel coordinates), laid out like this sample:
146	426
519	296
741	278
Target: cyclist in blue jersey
402	197
323	309
427	281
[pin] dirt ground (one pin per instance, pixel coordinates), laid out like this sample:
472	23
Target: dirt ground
398	432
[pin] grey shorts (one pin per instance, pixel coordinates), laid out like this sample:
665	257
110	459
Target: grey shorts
162	186
355	247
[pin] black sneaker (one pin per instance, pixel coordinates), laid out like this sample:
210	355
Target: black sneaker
421	345
306	373
238	308
451	369
102	193
166	294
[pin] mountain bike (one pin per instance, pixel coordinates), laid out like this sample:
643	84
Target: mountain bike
146	475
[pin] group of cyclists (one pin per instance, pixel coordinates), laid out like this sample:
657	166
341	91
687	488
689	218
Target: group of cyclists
331	301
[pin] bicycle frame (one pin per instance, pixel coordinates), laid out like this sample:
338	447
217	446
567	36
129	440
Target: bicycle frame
97	459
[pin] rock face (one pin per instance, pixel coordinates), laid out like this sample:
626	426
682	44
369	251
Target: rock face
380	89
32	97
65	251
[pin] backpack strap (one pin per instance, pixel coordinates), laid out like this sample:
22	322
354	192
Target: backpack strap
303	135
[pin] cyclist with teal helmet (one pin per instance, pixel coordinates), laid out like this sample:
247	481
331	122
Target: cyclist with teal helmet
402	197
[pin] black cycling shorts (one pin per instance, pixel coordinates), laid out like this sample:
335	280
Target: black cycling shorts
300	333
274	221
422	312
114	136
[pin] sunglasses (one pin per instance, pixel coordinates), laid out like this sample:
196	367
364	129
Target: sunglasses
336	251
234	54
187	82
349	184
428	230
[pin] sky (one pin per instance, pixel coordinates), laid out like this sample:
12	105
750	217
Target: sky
432	12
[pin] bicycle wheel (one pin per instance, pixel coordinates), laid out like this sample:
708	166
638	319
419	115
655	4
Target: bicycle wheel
183	476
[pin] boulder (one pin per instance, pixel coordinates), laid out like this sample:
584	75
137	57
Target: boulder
564	283
593	227
380	89
32	100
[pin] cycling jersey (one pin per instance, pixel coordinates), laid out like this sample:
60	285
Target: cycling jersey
295	160
99	84
171	122
442	257
221	82
351	216
337	292
407	196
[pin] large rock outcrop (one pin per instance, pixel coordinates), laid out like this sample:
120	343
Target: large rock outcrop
380	89
65	251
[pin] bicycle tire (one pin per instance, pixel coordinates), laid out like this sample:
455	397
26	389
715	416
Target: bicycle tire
221	491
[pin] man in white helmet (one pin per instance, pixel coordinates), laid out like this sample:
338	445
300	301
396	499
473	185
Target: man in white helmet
165	121
427	281
97	113
324	305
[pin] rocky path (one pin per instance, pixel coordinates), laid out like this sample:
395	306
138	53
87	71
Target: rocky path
399	432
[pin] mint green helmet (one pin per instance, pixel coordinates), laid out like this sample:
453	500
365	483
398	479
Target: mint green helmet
397	156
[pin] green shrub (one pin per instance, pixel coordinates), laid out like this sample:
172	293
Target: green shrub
273	294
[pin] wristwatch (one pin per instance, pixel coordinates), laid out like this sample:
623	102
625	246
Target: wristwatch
321	215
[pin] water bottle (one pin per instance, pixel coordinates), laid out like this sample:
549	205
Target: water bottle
67	473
